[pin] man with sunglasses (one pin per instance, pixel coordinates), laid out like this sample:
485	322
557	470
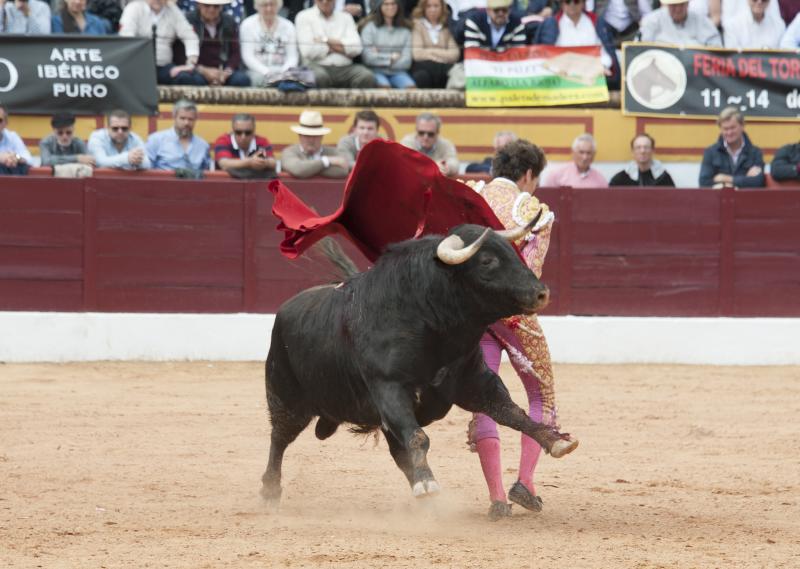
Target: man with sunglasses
242	153
427	141
674	23
117	146
63	148
496	29
15	158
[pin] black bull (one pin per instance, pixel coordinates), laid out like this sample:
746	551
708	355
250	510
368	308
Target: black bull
397	346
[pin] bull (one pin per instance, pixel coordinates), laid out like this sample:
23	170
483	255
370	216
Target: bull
395	347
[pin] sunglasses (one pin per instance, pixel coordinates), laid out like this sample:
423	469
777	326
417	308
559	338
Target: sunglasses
500	10
242	132
120	128
64	132
573	1
428	133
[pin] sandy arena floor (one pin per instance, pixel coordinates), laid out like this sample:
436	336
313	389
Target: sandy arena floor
158	465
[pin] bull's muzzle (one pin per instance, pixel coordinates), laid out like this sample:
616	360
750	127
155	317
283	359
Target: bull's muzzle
539	298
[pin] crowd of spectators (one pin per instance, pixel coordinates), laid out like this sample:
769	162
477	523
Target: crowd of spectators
388	43
731	161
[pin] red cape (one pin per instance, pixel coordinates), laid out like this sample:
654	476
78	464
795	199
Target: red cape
393	193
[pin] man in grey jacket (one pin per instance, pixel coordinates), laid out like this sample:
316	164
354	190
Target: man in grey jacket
310	158
364	130
63	147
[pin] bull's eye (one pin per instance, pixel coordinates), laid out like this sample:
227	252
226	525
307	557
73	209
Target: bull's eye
487	261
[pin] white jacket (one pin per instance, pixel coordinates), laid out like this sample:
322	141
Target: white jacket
138	19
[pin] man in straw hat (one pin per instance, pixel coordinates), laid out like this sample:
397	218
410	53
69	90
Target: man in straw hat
674	23
309	157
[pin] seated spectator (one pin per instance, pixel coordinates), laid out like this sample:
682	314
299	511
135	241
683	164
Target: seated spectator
269	44
386	38
309	157
580	28
732	161
236	9
460	10
364	130
163	19
219	61
674	23
426	140
643	170
734	10
622	17
755	29
242	153
578	173
433	48
500	140
25	17
117	146
353	7
791	37
786	164
14	156
497	29
328	42
65	152
178	148
75	19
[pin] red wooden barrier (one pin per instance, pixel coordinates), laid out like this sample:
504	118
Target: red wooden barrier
118	244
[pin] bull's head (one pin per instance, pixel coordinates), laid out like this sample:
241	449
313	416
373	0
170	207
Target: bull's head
493	269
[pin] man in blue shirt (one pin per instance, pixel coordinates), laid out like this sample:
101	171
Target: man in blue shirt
177	148
117	146
14	156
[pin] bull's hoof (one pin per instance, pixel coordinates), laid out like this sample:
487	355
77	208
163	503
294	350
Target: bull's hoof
425	488
271	495
499	510
519	494
563	447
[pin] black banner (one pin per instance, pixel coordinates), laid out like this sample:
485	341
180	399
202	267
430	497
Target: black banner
672	81
80	74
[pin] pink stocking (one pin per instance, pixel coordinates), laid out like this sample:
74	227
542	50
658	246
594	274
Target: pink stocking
489	453
527	461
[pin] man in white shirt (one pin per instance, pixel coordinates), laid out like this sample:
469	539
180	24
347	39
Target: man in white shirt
25	17
328	42
756	29
674	23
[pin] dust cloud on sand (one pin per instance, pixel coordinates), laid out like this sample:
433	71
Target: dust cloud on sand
132	465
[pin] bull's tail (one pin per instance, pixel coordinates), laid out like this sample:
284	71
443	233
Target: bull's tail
344	267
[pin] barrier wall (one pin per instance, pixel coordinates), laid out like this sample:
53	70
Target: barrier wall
118	245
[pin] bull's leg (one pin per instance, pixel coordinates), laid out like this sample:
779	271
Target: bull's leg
286	425
400	456
486	393
395	405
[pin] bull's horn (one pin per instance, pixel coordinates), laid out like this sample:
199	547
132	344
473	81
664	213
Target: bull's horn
514	235
453	252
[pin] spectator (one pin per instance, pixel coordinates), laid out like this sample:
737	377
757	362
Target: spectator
75	19
500	140
755	29
732	161
581	28
309	157
497	29
163	20
177	148
65	152
433	48
269	44
25	17
353	7
643	170
622	17
674	23
386	38
242	153
364	130
14	156
791	38
236	9
328	42
786	164
117	146
578	173
427	141
219	61
734	10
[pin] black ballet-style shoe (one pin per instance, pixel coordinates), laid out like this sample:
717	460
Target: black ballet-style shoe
519	494
499	510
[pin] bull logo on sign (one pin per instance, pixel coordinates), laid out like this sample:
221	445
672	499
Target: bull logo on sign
13	75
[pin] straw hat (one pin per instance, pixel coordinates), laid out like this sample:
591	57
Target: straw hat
310	124
668	2
214	2
492	4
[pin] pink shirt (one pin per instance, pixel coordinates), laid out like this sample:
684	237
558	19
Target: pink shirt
568	176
